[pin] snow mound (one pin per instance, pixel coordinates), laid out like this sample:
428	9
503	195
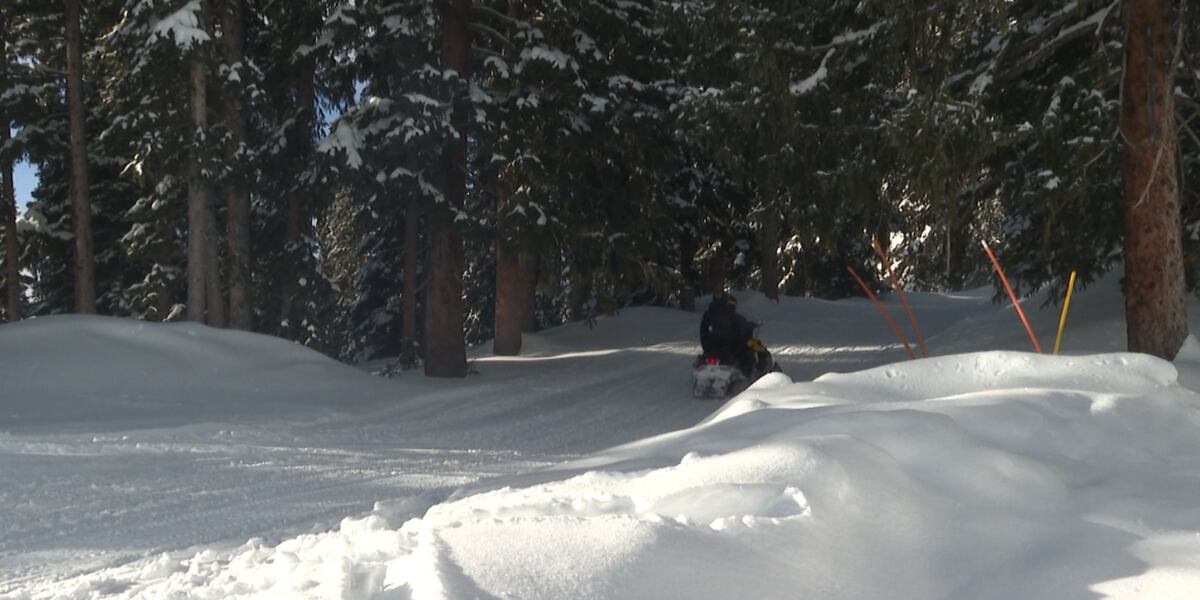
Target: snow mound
92	370
987	475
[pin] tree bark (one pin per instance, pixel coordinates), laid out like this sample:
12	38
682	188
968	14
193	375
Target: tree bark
770	253
508	285
1155	312
408	309
81	208
527	264
445	346
233	44
199	202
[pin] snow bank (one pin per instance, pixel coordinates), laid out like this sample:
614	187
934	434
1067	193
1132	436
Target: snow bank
79	370
986	475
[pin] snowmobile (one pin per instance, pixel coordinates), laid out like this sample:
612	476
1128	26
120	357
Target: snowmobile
715	378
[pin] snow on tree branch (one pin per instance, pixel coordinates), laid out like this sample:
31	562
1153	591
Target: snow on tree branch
183	26
801	88
345	137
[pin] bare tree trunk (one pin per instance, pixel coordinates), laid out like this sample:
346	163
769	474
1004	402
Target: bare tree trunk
412	247
527	265
1155	312
198	199
770	253
233	44
508	284
12	257
81	207
445	347
305	96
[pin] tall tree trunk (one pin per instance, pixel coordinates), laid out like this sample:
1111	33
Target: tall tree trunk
199	202
1155	313
527	259
408	308
508	284
305	97
527	265
12	271
81	207
8	197
445	346
770	253
233	45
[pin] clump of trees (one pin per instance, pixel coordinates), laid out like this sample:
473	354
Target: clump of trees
407	177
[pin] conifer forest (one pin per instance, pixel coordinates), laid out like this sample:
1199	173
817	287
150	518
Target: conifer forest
408	178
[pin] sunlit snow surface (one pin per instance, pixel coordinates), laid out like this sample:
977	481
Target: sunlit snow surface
173	461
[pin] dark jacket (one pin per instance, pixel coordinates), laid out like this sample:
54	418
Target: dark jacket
724	332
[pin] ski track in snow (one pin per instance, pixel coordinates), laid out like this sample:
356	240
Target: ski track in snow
255	454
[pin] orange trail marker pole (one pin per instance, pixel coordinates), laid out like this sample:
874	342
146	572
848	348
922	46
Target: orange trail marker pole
883	311
903	300
1062	320
1013	296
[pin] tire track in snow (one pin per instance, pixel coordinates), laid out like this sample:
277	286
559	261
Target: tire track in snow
249	508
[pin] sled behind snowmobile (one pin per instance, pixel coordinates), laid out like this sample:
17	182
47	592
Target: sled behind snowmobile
714	378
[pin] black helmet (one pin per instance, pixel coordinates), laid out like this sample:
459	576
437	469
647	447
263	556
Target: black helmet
725	298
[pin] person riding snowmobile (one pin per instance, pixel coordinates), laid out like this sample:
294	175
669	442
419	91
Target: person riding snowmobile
726	334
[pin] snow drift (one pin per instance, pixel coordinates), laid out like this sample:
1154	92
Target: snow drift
996	474
987	475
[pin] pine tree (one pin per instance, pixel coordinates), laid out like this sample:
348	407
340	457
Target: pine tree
38	105
8	200
12	276
291	73
387	149
204	303
514	264
150	129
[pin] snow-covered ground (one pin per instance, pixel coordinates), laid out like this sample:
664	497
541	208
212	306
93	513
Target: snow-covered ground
155	461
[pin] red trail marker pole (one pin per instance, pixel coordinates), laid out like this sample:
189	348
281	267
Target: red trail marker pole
883	311
1013	296
900	292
